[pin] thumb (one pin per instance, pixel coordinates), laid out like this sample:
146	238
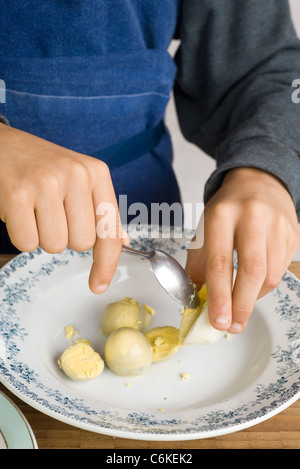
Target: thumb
195	266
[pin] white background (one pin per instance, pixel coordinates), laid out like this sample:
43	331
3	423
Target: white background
191	165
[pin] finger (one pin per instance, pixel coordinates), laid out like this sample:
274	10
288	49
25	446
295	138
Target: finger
125	238
79	208
219	240
251	244
277	261
109	233
21	227
292	245
283	244
195	263
51	223
105	261
195	266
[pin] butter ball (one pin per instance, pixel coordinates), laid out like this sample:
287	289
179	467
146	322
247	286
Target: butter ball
128	352
80	362
125	313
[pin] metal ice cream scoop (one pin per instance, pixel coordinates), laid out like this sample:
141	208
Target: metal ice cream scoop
171	276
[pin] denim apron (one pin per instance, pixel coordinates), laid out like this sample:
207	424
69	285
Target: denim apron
95	77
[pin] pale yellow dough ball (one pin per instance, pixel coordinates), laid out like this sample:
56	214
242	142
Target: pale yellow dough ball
80	362
127	352
125	313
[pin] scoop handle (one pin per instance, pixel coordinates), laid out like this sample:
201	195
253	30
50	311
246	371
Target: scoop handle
146	255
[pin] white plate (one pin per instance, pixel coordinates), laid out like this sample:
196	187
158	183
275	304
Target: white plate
15	431
233	384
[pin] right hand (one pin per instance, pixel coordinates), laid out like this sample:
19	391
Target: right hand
49	197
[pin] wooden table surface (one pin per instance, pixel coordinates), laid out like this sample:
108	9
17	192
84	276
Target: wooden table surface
279	432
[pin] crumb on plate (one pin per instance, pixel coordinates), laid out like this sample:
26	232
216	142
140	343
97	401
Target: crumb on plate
185	376
70	331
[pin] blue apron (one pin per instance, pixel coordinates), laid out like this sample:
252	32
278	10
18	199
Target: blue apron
95	77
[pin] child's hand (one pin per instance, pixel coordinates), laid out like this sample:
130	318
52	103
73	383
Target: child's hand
49	196
253	213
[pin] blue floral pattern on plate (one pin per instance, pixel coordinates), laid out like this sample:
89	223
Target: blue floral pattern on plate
23	374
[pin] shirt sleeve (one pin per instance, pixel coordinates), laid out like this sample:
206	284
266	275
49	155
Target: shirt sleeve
237	63
3	120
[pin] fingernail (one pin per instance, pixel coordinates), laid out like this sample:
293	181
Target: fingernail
101	288
222	320
236	326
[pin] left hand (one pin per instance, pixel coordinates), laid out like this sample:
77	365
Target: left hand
253	213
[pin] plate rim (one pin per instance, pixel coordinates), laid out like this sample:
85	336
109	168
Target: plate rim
152	436
27	426
141	435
